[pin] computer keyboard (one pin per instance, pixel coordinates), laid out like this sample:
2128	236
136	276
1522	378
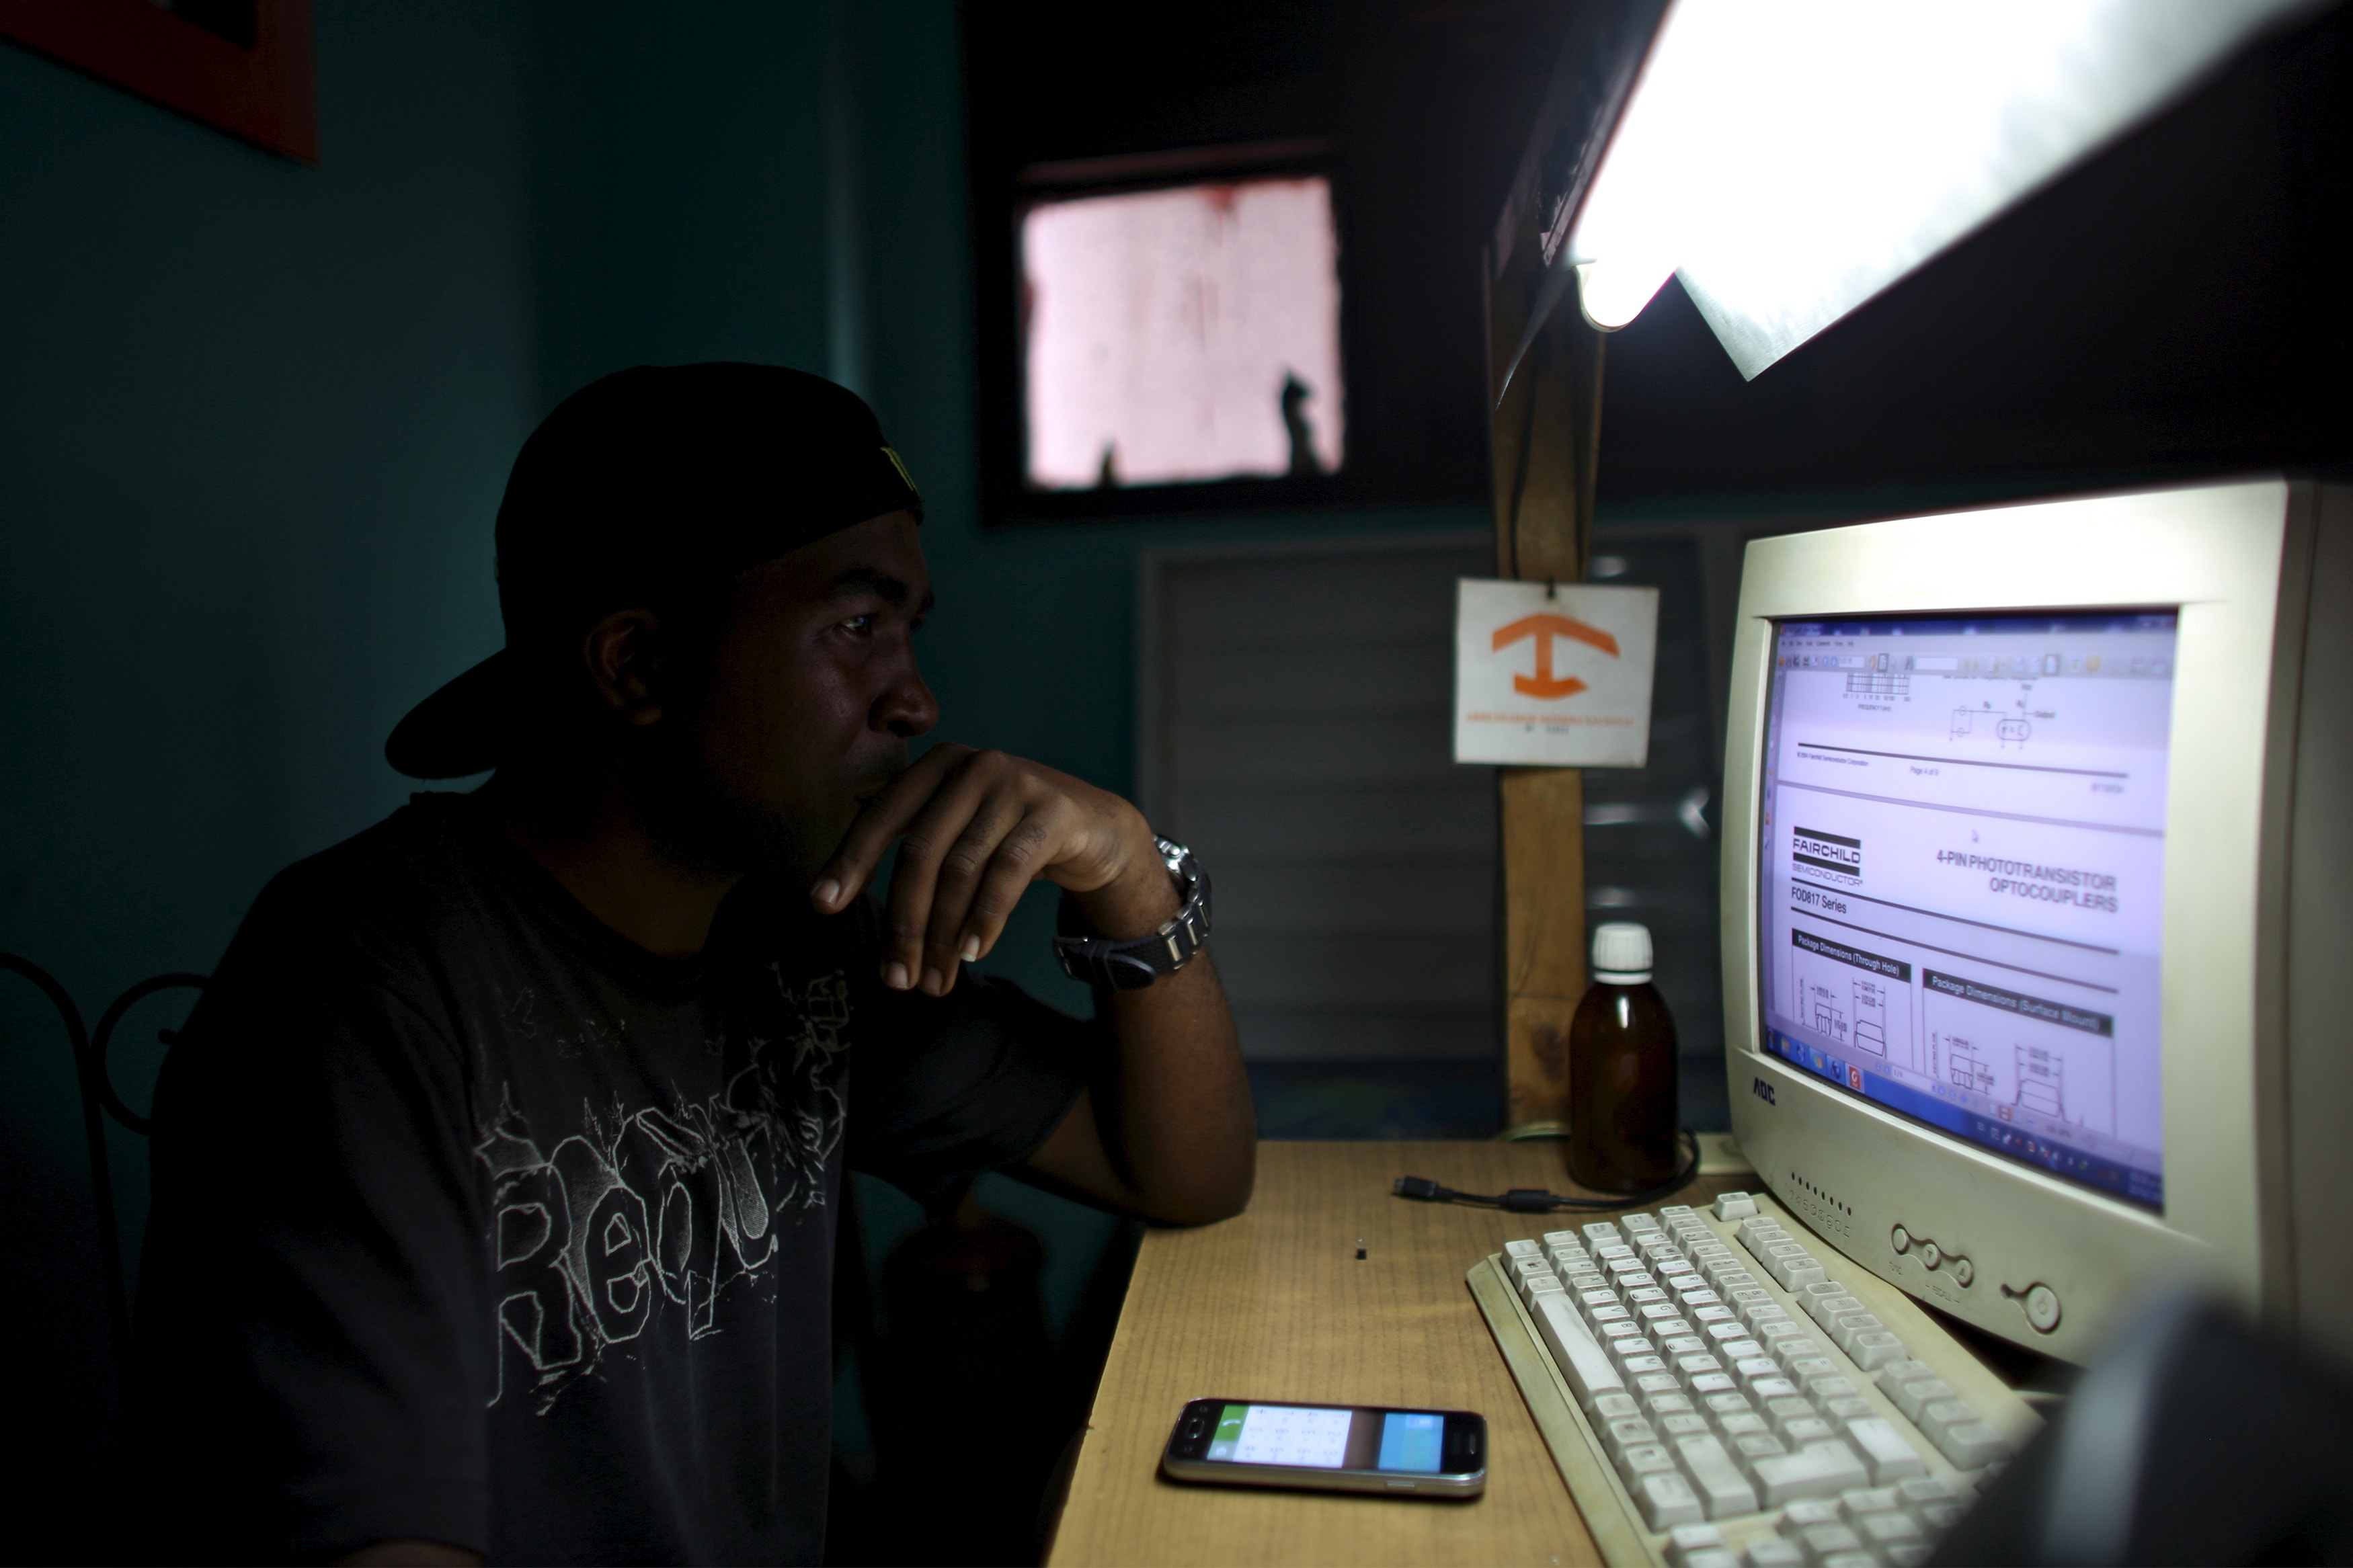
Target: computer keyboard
1720	1388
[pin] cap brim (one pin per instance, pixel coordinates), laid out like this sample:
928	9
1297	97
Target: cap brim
460	728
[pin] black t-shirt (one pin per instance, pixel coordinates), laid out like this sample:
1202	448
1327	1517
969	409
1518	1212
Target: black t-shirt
474	1222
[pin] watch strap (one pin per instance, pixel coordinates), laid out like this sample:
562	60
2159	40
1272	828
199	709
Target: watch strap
1133	965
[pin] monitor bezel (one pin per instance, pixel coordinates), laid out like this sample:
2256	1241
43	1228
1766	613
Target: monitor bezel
2214	554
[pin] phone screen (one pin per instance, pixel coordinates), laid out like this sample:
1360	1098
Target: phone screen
1407	1441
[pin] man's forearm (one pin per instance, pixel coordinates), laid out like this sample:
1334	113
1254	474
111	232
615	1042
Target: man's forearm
1174	1108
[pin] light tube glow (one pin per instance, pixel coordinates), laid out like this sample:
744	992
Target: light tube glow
1791	159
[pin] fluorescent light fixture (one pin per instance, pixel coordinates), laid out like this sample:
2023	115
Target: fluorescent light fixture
1790	160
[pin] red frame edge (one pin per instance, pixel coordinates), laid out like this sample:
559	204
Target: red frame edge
268	94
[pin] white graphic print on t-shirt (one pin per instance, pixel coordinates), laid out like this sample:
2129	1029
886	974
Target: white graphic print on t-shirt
646	1215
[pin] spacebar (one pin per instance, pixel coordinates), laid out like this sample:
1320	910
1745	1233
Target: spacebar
1582	1360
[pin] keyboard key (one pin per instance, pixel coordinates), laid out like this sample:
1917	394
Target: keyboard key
1637	1366
1691	1366
1661	1382
1904	1372
1524	1247
1751	1448
1808	1511
1602	1233
1911	1555
1825	1469
1565	1238
1752	1370
1772	1552
1635	1224
1660	1405
1972	1444
1575	1350
1894	1528
1766	1390
1615	1408
1807	1429
1743	1424
1685	1344
1629	1432
1672	1427
1883	1447
1940	1517
1825	1308
1853	1505
1743	1349
1544	1285
1667	1500
1714	1475
1876	1350
1792	1266
1707	1384
1686	1539
1629	1345
1847	1560
1848	1407
1616	1328
1639	1460
1734	1206
1920	1490
1727	1331
1829	1385
1807	1367
1848	1326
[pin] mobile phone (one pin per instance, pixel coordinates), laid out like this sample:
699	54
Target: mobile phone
1351	1448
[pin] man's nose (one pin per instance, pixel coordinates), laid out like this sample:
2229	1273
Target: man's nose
907	709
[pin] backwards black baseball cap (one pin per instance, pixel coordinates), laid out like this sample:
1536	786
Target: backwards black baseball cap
654	480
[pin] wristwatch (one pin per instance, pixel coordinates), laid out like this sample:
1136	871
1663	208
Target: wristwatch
1133	965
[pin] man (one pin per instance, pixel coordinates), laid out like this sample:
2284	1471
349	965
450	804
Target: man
496	1175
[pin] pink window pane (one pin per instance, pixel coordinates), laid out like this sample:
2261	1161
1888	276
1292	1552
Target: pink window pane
1183	334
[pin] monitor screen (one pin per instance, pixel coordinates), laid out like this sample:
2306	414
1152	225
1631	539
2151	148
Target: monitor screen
1963	844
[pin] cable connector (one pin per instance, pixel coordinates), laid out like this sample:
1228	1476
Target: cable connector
1536	1200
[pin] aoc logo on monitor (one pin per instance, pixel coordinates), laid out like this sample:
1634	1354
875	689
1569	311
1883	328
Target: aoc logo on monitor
1826	856
1762	1090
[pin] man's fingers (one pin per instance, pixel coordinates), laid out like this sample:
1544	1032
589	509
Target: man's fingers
883	819
1010	871
998	823
923	850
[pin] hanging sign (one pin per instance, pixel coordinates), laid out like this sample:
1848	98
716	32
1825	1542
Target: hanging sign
1553	674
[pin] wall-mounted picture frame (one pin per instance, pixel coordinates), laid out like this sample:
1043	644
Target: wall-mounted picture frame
240	66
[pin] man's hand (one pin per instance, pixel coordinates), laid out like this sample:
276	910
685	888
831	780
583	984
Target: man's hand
979	827
1166	1129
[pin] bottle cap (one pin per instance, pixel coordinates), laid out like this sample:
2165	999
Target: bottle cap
1621	953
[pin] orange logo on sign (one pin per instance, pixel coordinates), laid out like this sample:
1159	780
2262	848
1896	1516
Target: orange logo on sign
1544	628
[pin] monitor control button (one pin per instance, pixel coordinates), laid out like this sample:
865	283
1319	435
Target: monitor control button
1900	1240
1964	1272
2042	1307
1929	1255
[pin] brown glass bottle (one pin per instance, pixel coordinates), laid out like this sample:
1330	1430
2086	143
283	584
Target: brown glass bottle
1622	1072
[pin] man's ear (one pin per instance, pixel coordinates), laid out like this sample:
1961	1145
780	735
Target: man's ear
623	653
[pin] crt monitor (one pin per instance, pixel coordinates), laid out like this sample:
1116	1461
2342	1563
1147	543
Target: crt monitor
2034	900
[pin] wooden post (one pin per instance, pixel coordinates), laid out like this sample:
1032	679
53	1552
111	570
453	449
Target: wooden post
1546	429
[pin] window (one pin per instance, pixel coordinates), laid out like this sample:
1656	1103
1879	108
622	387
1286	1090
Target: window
1182	335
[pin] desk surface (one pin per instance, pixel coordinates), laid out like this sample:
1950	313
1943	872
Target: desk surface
1274	1305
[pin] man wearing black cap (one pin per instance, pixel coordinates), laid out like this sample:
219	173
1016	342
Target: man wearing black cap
496	1175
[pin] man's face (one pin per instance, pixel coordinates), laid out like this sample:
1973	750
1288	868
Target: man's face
809	699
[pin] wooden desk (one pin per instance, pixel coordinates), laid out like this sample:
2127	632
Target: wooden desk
1274	1305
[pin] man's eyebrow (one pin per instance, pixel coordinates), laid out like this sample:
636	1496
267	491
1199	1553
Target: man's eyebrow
890	590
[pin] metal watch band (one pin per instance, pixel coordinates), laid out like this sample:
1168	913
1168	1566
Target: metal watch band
1134	964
